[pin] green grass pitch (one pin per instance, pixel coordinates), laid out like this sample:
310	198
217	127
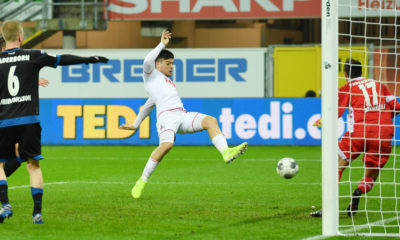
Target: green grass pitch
193	194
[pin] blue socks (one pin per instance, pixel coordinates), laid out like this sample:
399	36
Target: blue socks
37	194
3	192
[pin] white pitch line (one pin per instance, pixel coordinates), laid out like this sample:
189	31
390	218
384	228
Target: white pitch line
356	228
28	186
182	159
166	183
377	223
317	237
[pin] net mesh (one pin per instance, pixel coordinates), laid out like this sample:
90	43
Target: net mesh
369	33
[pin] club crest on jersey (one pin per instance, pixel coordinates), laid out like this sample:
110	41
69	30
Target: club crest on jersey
167	80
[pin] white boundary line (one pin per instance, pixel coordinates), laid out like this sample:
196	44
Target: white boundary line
164	183
28	186
356	228
316	237
184	159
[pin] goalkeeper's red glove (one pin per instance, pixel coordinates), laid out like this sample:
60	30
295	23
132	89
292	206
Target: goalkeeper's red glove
318	123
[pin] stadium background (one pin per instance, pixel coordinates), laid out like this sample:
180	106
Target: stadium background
246	48
249	63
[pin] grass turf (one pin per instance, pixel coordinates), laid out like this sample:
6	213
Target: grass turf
193	194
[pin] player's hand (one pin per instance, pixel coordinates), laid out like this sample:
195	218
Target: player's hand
127	127
97	59
318	123
165	37
43	82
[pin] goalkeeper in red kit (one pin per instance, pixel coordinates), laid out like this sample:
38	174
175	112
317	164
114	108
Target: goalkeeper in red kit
370	131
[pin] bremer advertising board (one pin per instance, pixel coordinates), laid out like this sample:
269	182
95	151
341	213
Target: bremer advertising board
198	73
245	9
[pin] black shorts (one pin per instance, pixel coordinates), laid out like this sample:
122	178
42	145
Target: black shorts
27	136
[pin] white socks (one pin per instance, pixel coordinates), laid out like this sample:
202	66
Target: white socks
149	169
220	143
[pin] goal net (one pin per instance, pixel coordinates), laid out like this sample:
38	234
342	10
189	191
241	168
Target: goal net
367	31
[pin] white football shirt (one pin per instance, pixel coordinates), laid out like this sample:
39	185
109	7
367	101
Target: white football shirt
161	89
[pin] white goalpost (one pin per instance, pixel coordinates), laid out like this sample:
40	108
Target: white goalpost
329	110
367	31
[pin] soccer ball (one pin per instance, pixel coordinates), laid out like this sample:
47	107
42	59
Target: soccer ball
287	167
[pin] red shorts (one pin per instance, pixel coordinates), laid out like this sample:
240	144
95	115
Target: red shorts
376	150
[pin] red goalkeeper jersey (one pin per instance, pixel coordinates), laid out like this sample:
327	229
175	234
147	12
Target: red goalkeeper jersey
371	107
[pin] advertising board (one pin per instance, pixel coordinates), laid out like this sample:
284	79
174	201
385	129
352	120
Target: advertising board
198	73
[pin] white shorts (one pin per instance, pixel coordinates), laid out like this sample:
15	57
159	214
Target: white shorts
178	121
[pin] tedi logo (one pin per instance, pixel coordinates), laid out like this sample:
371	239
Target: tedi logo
276	125
282	124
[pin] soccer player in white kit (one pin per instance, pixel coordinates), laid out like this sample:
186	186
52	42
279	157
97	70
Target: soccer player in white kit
172	118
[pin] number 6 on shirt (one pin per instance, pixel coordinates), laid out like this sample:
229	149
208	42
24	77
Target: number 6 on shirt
13	82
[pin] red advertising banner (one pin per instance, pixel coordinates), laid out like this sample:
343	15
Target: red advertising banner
387	68
369	8
215	9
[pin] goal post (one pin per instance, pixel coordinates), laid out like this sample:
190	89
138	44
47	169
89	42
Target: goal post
367	31
329	108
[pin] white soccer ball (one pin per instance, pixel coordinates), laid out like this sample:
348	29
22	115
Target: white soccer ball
287	167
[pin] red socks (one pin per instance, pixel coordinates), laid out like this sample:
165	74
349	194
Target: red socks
366	184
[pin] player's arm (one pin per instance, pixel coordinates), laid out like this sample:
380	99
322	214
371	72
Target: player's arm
149	60
344	99
67	59
41	58
43	82
391	101
318	123
143	113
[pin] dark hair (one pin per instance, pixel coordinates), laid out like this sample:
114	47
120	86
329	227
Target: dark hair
164	54
311	93
353	68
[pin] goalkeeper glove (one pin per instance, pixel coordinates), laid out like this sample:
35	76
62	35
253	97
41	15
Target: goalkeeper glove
318	123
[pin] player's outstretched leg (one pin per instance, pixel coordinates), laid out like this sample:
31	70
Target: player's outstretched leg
231	154
155	158
218	139
355	200
138	188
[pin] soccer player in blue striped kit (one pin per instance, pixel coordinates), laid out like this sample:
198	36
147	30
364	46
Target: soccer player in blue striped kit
19	110
14	163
